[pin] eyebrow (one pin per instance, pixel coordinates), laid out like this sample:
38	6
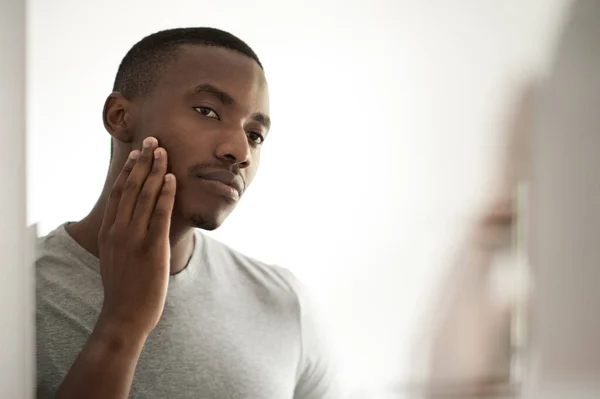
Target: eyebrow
262	119
227	99
215	91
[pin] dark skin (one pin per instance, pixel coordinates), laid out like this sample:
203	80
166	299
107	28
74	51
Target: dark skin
192	136
207	113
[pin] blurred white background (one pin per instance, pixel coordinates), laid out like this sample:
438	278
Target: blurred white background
387	121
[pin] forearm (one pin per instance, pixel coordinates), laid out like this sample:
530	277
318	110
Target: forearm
106	365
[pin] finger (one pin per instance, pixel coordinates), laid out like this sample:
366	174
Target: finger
135	182
160	222
146	201
115	195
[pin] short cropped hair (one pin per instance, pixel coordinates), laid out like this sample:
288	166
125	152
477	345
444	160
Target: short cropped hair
141	67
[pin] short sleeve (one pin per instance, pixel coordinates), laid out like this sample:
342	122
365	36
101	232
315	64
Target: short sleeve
317	373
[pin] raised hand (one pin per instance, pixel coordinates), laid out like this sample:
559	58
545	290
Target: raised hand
134	242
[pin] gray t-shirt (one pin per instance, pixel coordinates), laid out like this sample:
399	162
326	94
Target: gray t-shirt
232	327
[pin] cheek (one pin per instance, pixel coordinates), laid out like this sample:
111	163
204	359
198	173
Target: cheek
186	143
166	123
250	172
181	156
155	126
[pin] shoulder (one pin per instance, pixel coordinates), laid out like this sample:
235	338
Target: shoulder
50	253
275	279
62	267
241	266
272	284
57	247
317	373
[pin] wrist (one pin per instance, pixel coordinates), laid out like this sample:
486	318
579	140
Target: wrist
119	336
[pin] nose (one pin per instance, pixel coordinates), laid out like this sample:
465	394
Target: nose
234	148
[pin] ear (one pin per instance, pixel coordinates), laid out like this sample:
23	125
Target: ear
118	117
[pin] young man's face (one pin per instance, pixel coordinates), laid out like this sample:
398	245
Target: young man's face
210	112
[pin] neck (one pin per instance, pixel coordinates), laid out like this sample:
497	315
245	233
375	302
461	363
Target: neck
86	231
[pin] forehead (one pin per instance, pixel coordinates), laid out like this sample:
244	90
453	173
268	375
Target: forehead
230	71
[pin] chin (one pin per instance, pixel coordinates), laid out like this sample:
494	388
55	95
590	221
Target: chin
208	219
206	212
203	223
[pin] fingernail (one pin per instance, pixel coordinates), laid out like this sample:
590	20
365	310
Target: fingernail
157	153
169	177
134	154
148	142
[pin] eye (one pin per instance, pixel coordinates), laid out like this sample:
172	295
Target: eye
209	113
256	138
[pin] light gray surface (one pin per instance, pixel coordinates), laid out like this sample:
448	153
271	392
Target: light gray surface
566	215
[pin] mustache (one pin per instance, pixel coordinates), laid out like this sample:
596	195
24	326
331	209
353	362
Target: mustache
202	169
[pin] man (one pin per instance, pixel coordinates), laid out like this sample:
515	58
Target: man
133	300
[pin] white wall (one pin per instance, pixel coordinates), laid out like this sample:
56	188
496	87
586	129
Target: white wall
399	101
16	284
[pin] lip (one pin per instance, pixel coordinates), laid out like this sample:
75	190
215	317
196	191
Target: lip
226	182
